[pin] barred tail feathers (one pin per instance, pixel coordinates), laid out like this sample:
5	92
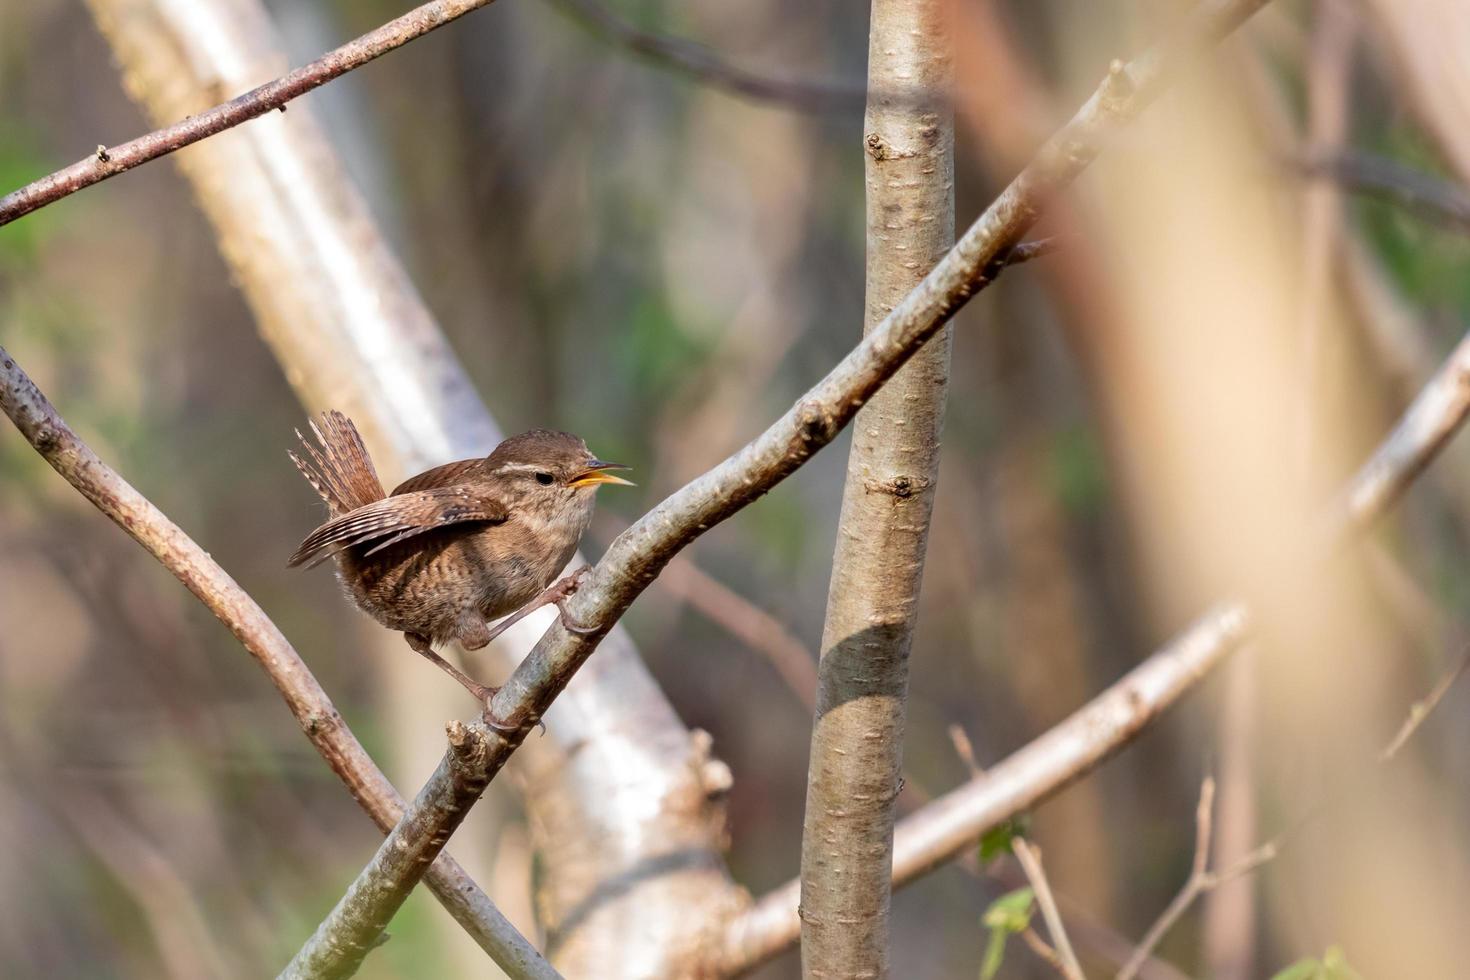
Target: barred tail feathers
338	467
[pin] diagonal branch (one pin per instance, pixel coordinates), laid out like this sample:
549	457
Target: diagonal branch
635	558
350	931
708	67
39	422
953	823
618	783
110	161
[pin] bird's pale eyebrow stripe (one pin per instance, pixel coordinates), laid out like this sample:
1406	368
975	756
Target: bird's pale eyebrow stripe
519	468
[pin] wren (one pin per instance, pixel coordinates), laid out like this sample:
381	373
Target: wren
458	546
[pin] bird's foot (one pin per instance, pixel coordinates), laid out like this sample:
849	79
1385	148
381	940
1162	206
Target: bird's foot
563	590
487	715
569	624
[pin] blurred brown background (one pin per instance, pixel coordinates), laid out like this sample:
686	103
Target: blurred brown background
663	268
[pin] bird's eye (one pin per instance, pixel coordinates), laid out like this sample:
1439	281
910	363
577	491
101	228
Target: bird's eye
544	479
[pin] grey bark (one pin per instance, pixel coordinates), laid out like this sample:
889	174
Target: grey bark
887	500
617	777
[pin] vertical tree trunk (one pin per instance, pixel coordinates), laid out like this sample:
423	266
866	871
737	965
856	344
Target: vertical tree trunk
857	738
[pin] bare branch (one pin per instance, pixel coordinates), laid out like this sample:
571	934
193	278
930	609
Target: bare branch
1420	709
1063	959
1434	198
1030	858
617	766
697	62
353	929
109	161
637	556
887	500
748	622
954	822
1043	950
1201	879
39	422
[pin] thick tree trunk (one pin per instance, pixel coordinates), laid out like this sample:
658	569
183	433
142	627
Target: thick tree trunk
857	739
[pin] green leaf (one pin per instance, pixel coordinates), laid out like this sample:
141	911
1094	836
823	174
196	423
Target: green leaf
1308	968
997	840
1335	965
995	951
1332	966
1006	916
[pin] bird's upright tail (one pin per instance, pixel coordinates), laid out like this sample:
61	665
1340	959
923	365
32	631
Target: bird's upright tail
339	467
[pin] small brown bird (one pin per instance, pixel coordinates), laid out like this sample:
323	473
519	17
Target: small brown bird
458	545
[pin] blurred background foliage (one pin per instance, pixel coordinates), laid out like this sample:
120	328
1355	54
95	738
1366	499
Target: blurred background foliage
661	268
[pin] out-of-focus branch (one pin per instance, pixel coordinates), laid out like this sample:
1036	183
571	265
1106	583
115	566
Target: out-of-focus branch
1430	197
707	67
954	822
1425	41
635	558
748	622
856	763
1419	710
352	929
1063	958
39	422
618	784
1201	879
109	161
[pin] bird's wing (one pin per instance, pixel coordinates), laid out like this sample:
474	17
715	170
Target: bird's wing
391	520
447	475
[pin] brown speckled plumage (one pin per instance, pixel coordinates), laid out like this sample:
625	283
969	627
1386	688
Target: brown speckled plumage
457	546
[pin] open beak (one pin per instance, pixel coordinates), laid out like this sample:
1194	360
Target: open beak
597	472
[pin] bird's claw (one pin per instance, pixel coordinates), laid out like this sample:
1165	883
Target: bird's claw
569	624
492	722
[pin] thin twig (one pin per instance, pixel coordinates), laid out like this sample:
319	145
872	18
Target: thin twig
39	422
952	823
1420	709
697	62
1201	879
1063	958
637	556
1030	857
748	622
109	161
1433	198
1043	950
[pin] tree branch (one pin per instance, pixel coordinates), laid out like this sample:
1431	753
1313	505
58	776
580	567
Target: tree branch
1201	879
110	161
954	822
887	500
1434	198
1064	958
697	62
619	783
39	422
350	932
635	558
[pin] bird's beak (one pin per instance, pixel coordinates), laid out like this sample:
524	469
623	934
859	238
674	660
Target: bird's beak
596	473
